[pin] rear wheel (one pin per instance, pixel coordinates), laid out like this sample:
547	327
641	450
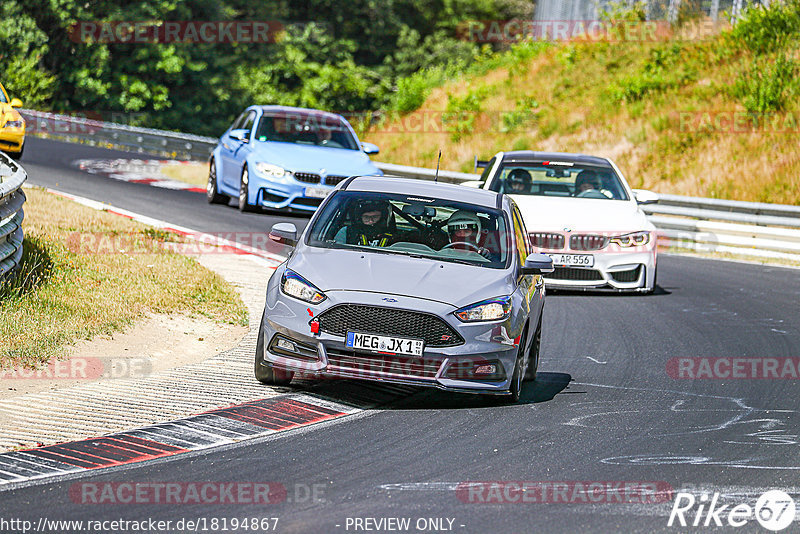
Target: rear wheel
212	192
244	192
264	371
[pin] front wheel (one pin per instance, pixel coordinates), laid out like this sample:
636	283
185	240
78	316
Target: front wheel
266	373
533	358
212	192
244	192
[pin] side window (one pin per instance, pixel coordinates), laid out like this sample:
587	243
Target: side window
521	237
248	123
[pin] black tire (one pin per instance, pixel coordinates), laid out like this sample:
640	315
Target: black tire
533	359
212	191
264	372
244	192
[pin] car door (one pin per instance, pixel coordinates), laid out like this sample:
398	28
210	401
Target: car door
529	286
232	152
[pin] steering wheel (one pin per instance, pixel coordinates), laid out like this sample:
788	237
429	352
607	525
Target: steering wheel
474	247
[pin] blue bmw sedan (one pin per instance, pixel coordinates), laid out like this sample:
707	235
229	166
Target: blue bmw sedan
285	158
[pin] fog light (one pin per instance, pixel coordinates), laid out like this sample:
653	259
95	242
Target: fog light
489	369
286	345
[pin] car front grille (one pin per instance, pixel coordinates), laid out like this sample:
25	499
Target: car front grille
627	276
573	273
588	242
378	363
307	177
547	241
333	179
389	322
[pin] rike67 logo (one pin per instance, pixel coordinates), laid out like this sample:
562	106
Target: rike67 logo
774	510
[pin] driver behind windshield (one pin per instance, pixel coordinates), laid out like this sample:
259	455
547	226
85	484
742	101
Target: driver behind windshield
586	181
519	182
370	225
464	230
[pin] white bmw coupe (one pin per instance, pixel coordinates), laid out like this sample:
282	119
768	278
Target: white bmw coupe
582	213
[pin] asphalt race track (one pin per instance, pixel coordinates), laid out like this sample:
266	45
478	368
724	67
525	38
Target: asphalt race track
604	410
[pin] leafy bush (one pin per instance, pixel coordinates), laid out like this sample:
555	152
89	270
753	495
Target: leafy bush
767	29
767	84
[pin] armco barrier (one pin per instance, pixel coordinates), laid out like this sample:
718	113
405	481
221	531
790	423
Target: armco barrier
11	199
701	224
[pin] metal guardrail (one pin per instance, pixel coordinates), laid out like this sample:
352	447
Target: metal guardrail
12	198
76	129
701	224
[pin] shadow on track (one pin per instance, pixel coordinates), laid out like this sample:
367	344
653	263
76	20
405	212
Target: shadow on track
375	395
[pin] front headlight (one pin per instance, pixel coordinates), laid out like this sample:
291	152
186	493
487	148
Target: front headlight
296	286
636	239
15	124
268	170
487	310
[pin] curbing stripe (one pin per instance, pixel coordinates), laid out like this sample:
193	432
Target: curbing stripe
202	431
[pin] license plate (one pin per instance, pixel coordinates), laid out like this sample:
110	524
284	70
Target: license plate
395	345
317	192
573	260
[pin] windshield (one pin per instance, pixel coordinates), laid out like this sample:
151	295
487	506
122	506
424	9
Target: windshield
306	129
561	179
401	224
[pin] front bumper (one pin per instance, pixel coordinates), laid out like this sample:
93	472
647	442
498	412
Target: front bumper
612	271
12	139
448	368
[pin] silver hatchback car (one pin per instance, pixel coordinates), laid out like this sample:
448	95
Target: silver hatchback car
407	281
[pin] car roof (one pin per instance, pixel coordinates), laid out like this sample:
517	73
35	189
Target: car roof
306	111
526	156
423	188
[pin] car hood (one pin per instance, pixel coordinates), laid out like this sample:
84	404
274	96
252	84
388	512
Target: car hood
394	274
580	215
336	161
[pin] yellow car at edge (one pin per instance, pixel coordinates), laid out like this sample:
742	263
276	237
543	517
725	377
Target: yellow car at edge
12	125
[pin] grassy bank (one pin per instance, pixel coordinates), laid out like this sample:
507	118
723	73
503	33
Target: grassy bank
712	112
67	291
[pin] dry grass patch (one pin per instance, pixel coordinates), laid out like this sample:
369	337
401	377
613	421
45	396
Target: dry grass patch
63	293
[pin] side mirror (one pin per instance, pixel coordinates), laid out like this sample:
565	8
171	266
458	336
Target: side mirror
538	264
284	233
474	183
16	103
239	135
644	196
369	148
